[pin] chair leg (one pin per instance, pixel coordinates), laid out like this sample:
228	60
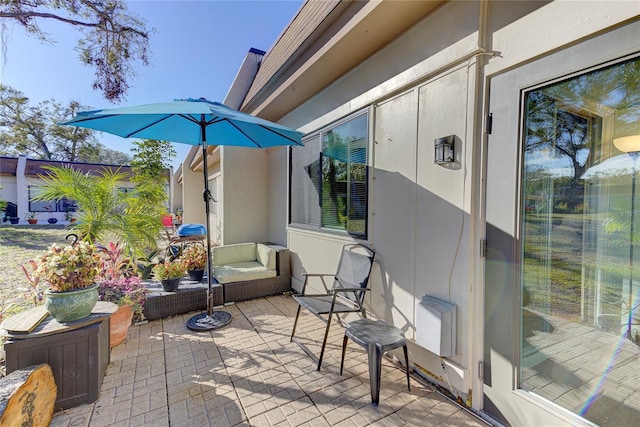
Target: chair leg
344	349
295	323
406	364
324	342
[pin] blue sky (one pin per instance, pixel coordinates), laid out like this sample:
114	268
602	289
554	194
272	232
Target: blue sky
196	50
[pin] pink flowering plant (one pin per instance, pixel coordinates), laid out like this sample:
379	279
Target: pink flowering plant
117	282
65	268
194	258
168	270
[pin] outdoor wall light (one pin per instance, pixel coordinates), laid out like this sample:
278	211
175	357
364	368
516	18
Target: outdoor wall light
444	150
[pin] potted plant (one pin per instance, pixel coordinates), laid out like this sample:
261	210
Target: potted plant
117	284
68	216
32	217
169	273
194	260
70	273
14	219
52	219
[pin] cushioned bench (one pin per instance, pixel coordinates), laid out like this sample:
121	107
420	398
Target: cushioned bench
251	270
243	261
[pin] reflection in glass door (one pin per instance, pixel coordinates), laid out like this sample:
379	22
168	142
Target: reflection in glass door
580	274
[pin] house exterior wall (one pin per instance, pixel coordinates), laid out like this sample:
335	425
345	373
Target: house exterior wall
413	203
277	195
426	220
245	200
192	201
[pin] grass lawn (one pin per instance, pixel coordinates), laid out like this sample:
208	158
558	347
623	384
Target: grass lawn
18	244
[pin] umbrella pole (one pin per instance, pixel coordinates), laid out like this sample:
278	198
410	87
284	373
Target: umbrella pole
207	198
211	320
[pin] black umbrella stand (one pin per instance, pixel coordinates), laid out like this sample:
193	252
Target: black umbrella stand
211	319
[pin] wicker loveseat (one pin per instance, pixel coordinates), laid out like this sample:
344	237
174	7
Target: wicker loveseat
251	270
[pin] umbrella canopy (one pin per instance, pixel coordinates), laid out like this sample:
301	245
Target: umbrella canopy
188	121
617	166
192	121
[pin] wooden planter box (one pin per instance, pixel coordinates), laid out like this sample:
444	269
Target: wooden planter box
78	359
78	352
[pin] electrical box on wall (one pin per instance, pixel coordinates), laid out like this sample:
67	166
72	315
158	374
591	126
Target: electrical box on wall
436	326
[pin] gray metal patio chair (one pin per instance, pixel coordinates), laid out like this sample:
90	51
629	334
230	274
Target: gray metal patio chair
346	294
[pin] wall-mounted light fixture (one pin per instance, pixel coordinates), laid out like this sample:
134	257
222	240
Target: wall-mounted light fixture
444	150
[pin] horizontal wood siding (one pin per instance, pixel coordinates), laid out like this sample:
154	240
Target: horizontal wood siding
302	26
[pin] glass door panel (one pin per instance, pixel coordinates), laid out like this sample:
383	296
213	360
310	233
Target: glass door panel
580	274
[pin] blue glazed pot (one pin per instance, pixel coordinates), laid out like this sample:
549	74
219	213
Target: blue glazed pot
71	305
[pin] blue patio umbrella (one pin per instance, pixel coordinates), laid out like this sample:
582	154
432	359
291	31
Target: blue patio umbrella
194	122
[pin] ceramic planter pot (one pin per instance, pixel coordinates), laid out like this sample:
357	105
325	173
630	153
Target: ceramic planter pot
14	220
32	221
171	285
119	323
52	220
196	275
71	305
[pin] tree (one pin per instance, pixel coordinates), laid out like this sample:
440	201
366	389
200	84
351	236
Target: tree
113	39
34	131
149	163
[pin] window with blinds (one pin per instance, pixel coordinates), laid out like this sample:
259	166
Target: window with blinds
328	178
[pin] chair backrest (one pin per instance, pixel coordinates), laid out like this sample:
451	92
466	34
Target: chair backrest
354	270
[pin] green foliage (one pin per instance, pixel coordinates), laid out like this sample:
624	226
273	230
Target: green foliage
112	40
33	130
168	270
150	161
104	209
3	203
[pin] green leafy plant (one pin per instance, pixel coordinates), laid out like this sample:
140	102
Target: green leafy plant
32	215
65	268
104	209
146	263
168	270
194	258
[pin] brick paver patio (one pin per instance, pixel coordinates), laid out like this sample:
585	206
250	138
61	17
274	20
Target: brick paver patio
249	374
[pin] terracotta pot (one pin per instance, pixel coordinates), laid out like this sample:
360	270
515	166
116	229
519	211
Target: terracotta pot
170	285
196	275
71	305
32	221
119	324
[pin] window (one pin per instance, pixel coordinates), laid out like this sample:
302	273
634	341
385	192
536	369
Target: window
328	178
41	205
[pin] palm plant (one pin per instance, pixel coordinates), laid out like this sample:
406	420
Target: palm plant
104	210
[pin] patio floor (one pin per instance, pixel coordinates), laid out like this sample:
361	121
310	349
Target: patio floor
249	373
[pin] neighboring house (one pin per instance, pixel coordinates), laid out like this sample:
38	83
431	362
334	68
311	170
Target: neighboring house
20	176
535	252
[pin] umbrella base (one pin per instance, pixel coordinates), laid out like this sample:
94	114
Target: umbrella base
203	322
